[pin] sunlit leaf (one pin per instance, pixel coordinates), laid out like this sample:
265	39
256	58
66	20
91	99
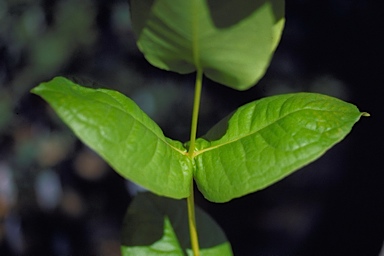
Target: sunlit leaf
116	128
231	40
266	140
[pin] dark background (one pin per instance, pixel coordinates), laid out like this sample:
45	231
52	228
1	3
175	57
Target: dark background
58	198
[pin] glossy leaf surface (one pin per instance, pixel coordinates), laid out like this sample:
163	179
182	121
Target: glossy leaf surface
231	40
156	225
261	143
268	139
116	128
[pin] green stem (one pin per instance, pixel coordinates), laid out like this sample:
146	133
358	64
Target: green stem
195	113
192	224
191	151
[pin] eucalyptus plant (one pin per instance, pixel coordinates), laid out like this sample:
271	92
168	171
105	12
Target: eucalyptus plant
230	42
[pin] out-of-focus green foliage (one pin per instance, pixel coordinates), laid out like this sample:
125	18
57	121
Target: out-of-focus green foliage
5	110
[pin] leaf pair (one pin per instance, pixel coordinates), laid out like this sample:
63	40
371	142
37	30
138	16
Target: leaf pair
262	142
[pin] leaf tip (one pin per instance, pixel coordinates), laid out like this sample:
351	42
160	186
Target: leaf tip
35	90
366	114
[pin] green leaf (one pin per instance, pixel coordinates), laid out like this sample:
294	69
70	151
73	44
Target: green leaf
261	143
117	129
167	245
219	250
266	140
157	225
232	41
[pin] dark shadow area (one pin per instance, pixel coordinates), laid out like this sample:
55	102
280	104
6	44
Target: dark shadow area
144	222
227	13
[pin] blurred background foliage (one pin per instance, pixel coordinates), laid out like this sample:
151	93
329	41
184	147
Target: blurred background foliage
58	198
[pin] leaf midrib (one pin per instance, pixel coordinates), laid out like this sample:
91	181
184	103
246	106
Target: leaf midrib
195	31
120	108
251	133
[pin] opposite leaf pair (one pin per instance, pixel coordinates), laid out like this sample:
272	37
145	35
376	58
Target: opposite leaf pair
262	142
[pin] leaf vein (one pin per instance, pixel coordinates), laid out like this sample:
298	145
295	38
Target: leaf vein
254	132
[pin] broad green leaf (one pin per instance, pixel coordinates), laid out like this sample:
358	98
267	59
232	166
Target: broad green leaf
157	225
232	41
117	129
266	140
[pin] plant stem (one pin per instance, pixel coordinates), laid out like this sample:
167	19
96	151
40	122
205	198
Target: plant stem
191	150
192	224
195	113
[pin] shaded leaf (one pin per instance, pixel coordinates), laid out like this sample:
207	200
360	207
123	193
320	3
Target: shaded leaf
266	140
117	129
167	245
218	250
231	41
144	227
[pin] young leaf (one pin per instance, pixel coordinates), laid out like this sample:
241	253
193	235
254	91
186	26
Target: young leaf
162	223
117	129
232	41
268	139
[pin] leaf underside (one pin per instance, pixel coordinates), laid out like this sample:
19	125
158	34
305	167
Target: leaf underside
261	143
232	41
